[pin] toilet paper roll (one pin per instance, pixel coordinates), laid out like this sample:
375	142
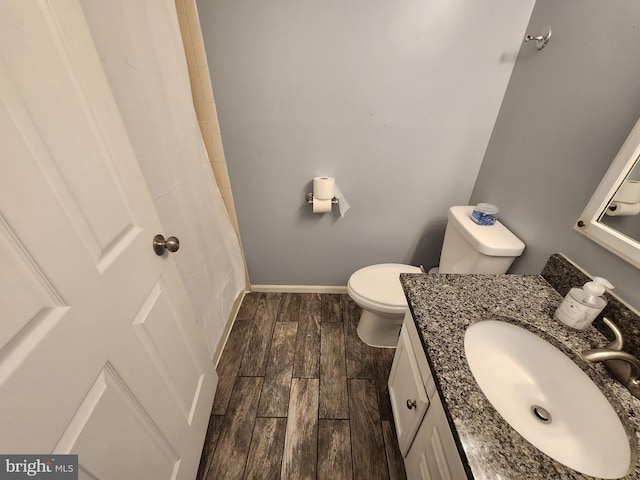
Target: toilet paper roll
320	205
619	209
629	192
324	187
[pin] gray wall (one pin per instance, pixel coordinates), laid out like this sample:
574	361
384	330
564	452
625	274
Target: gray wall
566	112
396	100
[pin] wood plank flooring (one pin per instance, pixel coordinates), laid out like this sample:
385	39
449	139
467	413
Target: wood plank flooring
300	396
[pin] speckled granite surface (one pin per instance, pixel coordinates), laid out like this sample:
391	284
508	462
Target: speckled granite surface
443	306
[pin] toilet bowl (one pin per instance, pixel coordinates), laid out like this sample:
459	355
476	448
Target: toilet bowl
467	248
377	290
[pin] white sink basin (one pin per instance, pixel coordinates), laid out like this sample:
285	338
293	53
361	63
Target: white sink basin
547	399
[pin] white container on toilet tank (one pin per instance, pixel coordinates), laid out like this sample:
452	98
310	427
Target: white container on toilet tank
472	248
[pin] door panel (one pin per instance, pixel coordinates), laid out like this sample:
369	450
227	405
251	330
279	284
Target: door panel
109	410
29	297
100	353
158	327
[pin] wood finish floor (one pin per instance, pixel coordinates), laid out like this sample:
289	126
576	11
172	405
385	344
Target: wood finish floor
300	396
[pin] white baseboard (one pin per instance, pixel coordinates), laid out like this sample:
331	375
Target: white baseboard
215	357
299	288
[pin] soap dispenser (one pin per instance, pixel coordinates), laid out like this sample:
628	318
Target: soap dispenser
581	306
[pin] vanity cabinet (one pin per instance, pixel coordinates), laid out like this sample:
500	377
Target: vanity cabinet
408	393
424	436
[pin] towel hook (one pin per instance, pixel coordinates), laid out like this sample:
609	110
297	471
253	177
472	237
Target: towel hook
542	39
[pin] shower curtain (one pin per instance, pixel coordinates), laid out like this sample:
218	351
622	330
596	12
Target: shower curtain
141	49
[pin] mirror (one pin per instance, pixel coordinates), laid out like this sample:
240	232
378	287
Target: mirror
612	216
622	212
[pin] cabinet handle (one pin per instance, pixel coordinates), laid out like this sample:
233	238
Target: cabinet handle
411	404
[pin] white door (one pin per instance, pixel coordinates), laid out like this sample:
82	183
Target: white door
100	354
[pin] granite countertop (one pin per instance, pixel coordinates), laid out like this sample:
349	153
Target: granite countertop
443	306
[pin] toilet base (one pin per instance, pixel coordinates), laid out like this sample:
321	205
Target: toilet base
378	330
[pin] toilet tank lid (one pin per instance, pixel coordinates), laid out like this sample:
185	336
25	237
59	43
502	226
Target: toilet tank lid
495	240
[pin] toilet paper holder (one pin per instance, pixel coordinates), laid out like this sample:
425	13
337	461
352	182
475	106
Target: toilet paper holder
309	198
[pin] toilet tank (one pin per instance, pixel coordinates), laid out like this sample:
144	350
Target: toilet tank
472	248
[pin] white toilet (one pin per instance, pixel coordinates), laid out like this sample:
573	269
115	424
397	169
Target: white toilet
467	248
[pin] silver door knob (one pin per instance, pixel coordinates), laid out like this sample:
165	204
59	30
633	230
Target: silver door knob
160	244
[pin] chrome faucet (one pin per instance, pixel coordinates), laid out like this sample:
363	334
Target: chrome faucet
624	366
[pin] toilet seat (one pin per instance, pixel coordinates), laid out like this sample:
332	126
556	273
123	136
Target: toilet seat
377	287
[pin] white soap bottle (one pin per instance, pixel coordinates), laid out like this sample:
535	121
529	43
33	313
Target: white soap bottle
581	306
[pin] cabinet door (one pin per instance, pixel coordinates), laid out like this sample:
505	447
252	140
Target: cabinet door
409	399
433	454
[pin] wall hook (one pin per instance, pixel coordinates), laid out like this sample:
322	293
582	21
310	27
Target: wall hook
542	39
